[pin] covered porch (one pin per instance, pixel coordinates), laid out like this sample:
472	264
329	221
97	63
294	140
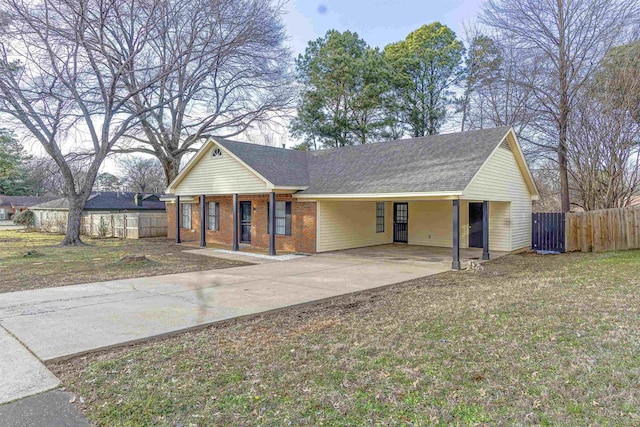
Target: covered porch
208	218
414	254
444	228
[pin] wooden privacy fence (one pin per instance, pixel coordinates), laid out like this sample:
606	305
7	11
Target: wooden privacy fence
125	225
604	230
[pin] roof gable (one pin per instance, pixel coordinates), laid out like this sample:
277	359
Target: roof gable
279	166
223	173
508	143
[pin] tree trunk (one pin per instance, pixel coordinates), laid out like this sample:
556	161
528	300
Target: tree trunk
563	113
72	236
171	168
564	176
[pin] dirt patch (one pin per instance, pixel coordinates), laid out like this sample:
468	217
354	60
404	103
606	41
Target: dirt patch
132	259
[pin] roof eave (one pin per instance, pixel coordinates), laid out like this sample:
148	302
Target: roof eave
434	195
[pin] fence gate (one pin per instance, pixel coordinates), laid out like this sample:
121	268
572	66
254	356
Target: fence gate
548	232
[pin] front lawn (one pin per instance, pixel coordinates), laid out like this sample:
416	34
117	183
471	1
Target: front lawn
542	340
30	260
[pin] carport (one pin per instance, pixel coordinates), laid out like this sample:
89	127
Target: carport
412	254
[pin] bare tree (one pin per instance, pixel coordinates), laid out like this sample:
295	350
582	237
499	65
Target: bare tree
604	139
44	174
106	181
545	174
562	42
64	67
231	70
142	174
492	96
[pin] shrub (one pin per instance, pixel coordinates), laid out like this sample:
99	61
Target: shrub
26	218
103	228
60	223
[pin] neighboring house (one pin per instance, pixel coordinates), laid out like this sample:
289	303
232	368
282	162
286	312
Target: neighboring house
432	191
52	215
11	206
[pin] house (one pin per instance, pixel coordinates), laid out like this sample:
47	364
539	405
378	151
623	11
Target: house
11	206
99	210
458	190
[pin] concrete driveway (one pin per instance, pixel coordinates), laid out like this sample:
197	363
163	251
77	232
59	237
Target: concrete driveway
61	322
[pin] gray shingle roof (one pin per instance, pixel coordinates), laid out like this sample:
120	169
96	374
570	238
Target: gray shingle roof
107	201
280	166
22	201
435	163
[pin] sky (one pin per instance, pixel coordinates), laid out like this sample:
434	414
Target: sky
378	22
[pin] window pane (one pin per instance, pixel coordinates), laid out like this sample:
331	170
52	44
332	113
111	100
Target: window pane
211	220
379	217
186	215
281	217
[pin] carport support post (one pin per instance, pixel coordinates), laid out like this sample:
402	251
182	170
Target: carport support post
456	235
178	220
485	230
272	223
236	244
203	221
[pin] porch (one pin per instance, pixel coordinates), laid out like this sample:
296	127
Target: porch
454	230
413	254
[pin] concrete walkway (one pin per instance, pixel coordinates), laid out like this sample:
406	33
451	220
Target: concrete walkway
21	374
56	323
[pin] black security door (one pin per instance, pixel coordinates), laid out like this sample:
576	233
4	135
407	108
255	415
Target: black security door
475	225
400	222
245	222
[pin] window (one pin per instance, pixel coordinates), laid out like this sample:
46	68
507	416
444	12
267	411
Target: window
186	215
283	218
380	217
212	222
216	152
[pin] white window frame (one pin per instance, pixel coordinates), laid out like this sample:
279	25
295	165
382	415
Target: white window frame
186	217
380	206
213	216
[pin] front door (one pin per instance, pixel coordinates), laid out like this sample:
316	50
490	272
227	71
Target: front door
245	222
475	225
400	222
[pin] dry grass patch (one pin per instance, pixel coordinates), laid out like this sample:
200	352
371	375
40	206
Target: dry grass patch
31	260
543	340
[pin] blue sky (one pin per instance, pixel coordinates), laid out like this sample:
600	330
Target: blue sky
378	22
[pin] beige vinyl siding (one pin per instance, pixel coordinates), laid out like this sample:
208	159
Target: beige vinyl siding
500	179
430	223
344	225
499	226
219	175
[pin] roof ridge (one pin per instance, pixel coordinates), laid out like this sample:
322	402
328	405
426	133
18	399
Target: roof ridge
412	139
253	144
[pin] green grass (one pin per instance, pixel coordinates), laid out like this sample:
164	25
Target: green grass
52	265
542	340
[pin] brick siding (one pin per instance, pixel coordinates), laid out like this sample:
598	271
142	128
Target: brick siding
303	223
